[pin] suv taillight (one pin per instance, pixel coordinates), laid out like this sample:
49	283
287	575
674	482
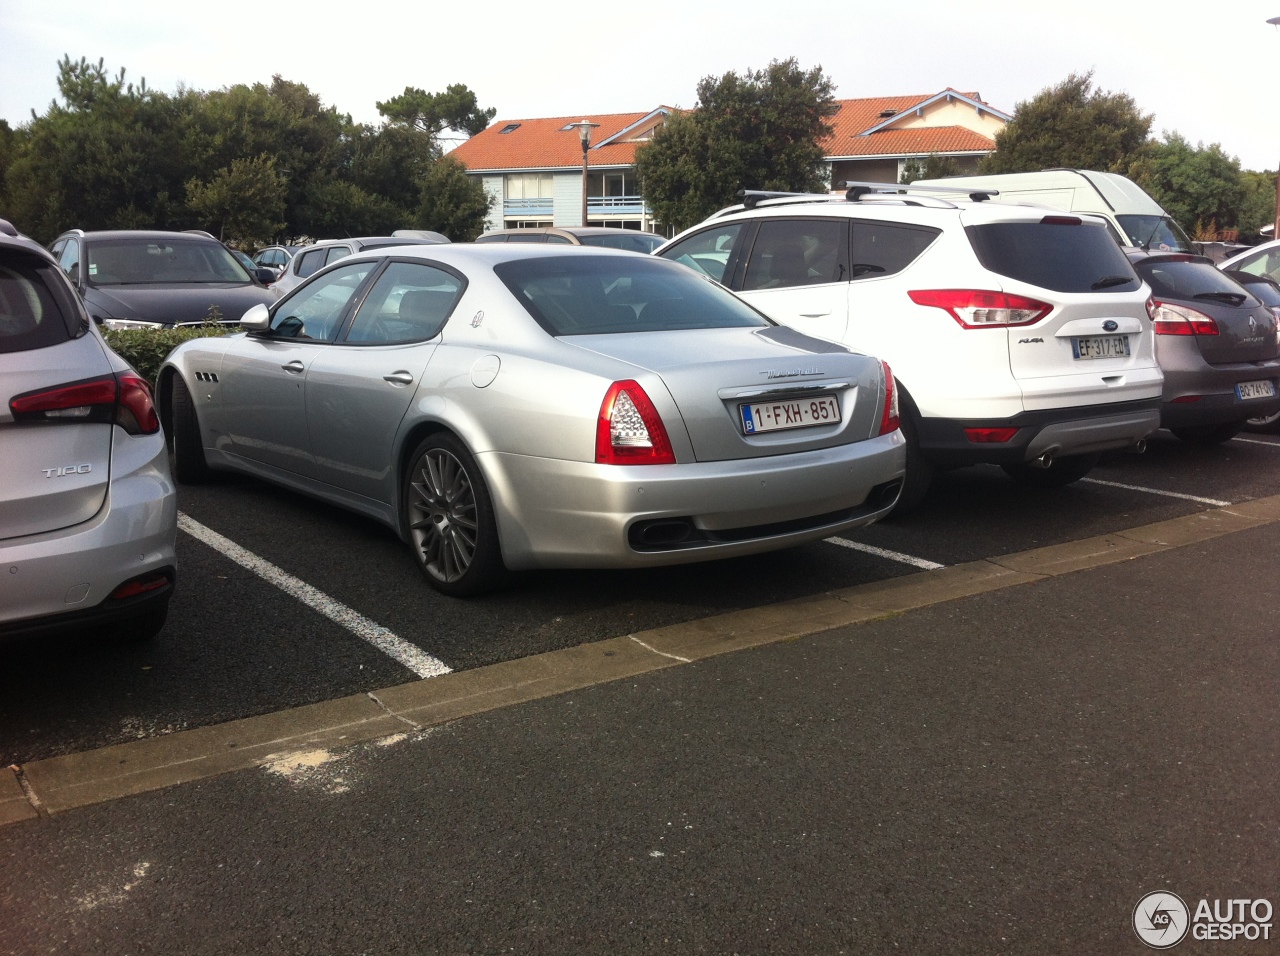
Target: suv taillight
1180	320
629	430
123	399
889	418
980	309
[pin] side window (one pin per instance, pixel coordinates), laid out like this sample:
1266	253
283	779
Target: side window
70	260
883	248
1263	264
551	238
527	237
315	311
409	303
310	262
795	252
708	251
336	253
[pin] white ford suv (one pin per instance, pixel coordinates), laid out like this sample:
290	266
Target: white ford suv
1019	335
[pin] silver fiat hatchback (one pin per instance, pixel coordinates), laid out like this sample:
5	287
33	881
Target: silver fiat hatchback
88	512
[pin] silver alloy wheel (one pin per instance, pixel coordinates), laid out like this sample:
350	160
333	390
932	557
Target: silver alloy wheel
442	515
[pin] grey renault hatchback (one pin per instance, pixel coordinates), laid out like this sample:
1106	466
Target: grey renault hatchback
88	511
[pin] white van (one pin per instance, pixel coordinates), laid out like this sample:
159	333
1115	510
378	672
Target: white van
1133	218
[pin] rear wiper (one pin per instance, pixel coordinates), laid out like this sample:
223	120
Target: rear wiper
1231	298
1106	282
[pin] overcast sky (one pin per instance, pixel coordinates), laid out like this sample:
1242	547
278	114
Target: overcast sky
1203	69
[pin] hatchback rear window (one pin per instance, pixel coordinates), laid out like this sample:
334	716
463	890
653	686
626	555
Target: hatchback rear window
588	295
1070	256
1191	280
36	310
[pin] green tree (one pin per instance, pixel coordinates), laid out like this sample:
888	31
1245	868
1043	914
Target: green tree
452	202
108	156
1072	125
1258	201
932	166
433	113
1199	186
760	130
243	201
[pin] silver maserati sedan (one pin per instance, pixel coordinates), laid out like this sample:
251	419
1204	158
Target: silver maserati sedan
511	407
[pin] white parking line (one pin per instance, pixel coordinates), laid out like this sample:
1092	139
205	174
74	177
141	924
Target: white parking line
398	649
883	553
1157	491
1258	441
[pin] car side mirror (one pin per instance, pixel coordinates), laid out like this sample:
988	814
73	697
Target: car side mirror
265	276
257	319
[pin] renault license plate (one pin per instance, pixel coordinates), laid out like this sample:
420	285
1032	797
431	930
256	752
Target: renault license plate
1248	390
798	413
1101	347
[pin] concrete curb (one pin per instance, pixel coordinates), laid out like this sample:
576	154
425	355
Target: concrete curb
63	783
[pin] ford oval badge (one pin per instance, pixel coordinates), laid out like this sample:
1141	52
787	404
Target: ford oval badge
1110	325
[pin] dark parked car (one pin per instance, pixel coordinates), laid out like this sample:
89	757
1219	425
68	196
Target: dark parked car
1217	343
138	279
1268	291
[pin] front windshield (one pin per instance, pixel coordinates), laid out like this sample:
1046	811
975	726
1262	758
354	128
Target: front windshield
1156	233
143	261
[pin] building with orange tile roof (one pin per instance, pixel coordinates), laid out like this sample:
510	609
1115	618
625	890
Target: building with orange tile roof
533	167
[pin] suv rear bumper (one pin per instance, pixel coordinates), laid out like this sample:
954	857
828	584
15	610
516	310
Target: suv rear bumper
1062	431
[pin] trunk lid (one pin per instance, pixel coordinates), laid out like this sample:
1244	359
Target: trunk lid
52	474
788	377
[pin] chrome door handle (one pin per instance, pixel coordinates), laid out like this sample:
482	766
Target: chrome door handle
295	367
813	315
398	378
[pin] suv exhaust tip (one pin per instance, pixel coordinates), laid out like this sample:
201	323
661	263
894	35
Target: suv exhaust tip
1045	461
1138	447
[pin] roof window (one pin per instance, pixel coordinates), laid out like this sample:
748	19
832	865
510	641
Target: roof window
509	128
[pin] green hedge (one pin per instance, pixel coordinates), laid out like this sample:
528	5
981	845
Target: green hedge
146	349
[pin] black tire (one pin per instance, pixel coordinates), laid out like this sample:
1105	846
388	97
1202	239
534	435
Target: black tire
1062	471
915	484
142	627
1263	423
448	512
189	465
1209	434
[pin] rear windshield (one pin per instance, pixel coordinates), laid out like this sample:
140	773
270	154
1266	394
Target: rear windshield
1260	286
36	309
141	261
643	242
1158	233
593	294
1063	258
1190	280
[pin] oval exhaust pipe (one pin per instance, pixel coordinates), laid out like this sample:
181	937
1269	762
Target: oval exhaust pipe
1139	446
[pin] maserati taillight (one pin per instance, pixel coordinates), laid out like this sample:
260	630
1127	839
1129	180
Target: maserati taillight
629	430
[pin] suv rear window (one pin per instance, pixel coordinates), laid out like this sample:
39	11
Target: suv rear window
589	295
36	310
1076	257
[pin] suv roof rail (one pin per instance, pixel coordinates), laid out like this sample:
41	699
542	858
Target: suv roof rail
200	232
856	190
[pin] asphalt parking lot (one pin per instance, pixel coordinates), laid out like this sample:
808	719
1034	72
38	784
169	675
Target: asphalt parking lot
331	604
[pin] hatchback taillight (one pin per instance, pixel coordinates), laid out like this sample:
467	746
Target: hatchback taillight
889	418
981	309
123	399
1181	320
629	430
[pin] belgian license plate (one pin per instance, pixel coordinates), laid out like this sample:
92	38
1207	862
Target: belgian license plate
1101	347
1248	390
797	413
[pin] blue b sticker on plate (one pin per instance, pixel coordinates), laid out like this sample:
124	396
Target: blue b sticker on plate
747	422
